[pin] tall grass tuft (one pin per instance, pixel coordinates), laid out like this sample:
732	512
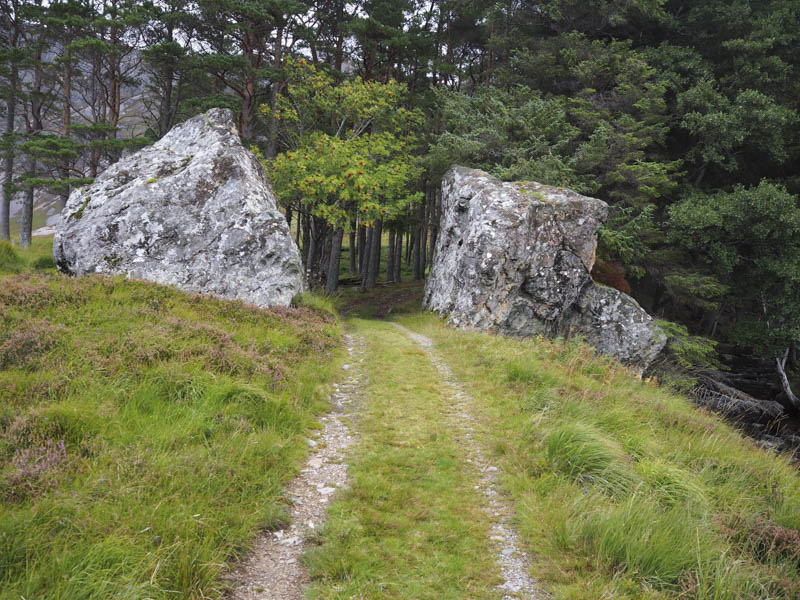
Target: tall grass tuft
659	545
584	454
671	484
10	261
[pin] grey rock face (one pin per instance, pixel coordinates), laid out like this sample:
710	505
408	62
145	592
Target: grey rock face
194	211
514	258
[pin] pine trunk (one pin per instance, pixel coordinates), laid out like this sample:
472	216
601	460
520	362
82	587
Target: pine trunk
8	160
390	258
417	243
434	226
375	255
362	249
307	243
299	225
423	242
365	262
312	247
325	257
26	217
272	148
66	126
398	257
352	251
332	281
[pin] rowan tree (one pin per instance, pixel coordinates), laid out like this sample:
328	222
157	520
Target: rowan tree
352	157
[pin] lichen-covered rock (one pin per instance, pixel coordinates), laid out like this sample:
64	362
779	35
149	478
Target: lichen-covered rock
514	258
194	211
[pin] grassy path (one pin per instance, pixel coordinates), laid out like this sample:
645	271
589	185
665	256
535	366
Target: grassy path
622	489
617	488
411	525
514	561
273	569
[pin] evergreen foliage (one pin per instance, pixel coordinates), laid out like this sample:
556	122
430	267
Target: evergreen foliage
668	111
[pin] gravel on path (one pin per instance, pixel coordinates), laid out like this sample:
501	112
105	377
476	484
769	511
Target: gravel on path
274	570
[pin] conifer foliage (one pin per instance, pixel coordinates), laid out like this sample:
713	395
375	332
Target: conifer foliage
684	116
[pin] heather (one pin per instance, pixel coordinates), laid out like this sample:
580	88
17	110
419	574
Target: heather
146	434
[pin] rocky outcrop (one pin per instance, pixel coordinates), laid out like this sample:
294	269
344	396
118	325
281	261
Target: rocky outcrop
514	258
194	211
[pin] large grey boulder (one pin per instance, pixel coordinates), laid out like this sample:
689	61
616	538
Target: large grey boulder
194	211
514	258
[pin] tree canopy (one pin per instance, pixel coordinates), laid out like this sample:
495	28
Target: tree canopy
684	116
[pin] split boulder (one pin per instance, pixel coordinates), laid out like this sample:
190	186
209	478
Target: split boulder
194	211
515	258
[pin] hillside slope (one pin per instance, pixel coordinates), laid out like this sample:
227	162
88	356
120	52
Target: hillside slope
621	489
145	434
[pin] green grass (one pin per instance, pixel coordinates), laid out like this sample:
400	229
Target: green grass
10	261
16	260
410	526
145	434
621	488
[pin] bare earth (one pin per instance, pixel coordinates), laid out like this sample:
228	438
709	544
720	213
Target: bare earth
274	571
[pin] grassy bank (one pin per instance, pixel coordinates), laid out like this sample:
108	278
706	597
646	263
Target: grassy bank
622	489
145	434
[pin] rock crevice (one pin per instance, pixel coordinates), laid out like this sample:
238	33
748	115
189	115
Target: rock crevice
514	258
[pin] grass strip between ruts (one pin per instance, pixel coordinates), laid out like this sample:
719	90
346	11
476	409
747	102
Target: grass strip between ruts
410	525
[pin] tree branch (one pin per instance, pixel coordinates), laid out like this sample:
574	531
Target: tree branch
780	364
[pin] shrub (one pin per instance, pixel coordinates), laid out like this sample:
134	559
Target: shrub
612	275
33	470
44	263
23	347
